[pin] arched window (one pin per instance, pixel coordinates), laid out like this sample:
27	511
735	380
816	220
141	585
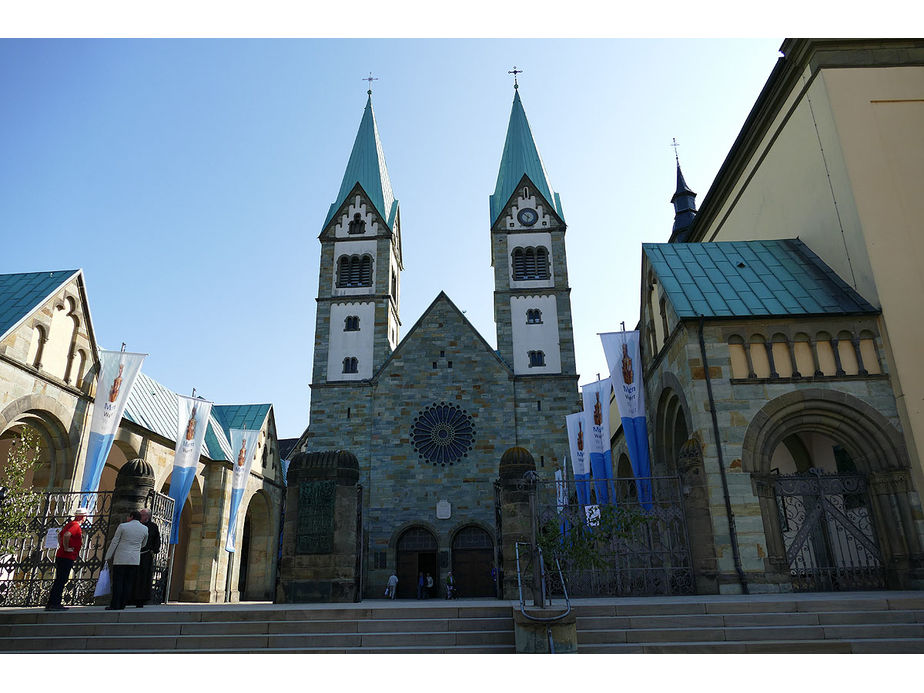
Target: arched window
533	316
351	323
350	364
530	263
357	225
37	346
354	270
536	358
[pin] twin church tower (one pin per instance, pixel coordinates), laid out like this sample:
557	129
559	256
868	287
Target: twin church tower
430	413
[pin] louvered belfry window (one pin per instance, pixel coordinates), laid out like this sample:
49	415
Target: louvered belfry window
530	263
354	270
536	359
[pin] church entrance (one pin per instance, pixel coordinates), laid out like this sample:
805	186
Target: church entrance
417	553
472	560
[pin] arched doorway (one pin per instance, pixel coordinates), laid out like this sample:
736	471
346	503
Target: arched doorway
186	553
55	468
472	561
417	552
832	477
255	573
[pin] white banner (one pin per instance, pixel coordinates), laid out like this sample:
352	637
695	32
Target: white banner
117	373
192	422
625	363
243	448
577	438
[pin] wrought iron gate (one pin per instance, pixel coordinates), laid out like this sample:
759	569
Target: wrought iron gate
161	508
828	532
618	549
27	568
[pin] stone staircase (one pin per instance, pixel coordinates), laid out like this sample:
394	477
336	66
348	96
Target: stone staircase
858	622
369	627
861	622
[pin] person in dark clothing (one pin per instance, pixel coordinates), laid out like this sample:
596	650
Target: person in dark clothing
142	590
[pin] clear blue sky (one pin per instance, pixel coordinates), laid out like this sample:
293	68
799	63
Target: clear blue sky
190	179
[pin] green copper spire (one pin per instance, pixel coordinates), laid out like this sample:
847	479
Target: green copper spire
521	158
367	167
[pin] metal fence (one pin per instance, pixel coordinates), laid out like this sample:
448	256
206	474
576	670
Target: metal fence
27	566
622	547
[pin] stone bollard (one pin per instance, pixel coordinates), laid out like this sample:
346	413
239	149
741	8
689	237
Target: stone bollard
515	514
532	637
321	532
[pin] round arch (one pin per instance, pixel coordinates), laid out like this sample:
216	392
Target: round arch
416	551
473	568
255	562
874	446
45	416
189	549
672	425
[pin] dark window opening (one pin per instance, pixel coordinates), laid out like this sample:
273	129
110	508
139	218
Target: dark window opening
530	263
353	270
351	324
536	358
350	364
357	225
533	316
538	405
450	364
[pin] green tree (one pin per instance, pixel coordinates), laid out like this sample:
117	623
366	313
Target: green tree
17	499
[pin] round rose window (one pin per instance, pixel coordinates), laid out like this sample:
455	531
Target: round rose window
442	434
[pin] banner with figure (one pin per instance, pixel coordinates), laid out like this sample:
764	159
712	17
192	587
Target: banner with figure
597	416
243	447
117	373
192	418
579	464
625	364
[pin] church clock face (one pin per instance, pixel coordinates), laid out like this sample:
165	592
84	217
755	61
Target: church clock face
442	434
528	217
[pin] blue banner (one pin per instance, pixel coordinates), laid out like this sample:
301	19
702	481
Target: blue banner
117	372
625	364
192	418
243	448
597	415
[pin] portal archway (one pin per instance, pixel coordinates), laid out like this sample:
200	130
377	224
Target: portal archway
187	553
831	431
472	562
255	576
417	551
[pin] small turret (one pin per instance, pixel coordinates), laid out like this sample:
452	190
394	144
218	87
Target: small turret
684	201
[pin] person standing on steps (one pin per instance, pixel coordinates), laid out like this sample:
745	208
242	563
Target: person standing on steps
392	586
124	554
420	586
70	539
429	591
450	586
142	587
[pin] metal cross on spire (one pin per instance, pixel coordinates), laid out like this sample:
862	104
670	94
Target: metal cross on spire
515	72
675	145
370	79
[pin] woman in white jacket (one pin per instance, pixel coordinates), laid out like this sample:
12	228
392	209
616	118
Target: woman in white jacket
124	555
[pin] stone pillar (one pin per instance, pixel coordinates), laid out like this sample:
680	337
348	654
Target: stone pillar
321	532
515	516
134	482
698	517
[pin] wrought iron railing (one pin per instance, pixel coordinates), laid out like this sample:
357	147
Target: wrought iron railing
541	593
633	543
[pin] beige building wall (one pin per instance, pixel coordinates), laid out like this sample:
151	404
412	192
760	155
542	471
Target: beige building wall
841	166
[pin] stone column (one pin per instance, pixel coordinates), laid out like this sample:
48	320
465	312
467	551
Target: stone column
134	482
320	532
515	516
698	517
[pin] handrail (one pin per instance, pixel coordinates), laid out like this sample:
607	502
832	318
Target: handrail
541	619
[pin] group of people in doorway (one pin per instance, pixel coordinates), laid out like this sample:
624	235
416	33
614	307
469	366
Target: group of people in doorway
425	585
130	559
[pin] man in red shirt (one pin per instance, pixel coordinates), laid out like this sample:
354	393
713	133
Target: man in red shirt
69	541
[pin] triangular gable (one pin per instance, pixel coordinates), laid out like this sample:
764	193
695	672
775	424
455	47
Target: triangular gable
553	209
409	337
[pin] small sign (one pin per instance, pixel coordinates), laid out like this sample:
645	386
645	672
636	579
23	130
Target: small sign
51	538
443	510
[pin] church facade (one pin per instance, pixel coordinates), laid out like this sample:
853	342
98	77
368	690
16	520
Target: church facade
428	416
